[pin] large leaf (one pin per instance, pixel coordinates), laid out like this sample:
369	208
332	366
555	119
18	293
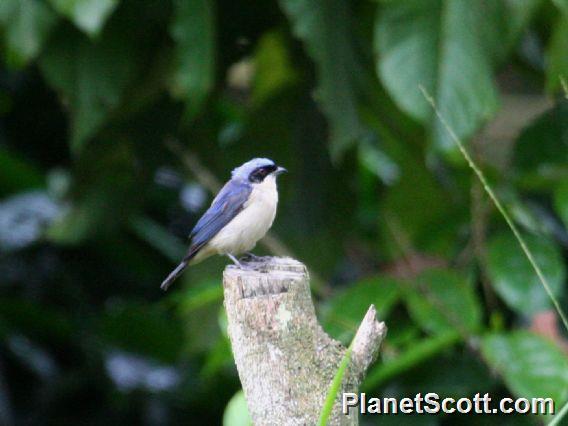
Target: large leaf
557	56
531	365
541	152
274	70
25	25
419	351
343	313
324	27
91	76
88	15
442	300
436	44
562	5
193	30
450	373
502	24
514	279
431	228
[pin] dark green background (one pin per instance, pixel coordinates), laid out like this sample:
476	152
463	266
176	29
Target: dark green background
107	105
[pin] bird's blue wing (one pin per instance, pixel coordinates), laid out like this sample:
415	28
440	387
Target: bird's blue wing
228	203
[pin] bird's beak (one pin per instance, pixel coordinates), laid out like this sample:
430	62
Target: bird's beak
280	170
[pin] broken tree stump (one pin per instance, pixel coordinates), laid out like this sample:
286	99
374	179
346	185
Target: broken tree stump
285	361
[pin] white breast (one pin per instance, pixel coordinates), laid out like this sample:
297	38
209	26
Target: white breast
252	223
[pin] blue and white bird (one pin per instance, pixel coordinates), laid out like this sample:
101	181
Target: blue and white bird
239	216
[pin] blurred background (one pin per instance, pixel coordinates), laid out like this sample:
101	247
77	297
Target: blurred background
119	119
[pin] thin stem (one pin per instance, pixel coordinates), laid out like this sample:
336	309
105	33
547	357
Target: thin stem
499	206
558	417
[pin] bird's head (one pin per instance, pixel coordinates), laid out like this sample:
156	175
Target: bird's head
257	169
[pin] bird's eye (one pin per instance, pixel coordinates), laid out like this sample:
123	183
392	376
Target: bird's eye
259	174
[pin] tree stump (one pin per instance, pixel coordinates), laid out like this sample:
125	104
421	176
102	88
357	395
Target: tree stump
285	361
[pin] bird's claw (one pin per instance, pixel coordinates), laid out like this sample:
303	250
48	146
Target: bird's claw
250	257
246	262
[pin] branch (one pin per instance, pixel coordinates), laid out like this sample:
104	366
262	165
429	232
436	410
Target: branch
285	360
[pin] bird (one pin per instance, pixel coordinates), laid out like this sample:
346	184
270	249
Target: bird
239	216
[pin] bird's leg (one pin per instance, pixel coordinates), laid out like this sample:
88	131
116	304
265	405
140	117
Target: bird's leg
239	264
235	260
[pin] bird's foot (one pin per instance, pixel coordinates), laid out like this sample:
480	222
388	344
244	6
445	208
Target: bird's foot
246	266
251	257
234	259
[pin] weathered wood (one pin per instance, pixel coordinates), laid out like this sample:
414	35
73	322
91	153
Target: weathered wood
286	362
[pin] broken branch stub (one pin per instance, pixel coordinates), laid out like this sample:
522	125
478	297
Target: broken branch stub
286	362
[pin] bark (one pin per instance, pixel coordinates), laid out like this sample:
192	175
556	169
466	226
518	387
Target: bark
286	362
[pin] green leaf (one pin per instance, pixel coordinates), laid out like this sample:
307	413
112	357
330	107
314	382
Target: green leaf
436	44
562	5
25	25
379	164
342	314
91	77
88	15
561	201
431	228
531	365
236	412
541	152
502	24
514	279
525	214
193	31
454	373
324	27
557	56
273	67
441	300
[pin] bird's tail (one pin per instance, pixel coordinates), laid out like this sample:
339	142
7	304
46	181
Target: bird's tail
174	274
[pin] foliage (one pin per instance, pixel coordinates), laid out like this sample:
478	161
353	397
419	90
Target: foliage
518	356
95	205
513	277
